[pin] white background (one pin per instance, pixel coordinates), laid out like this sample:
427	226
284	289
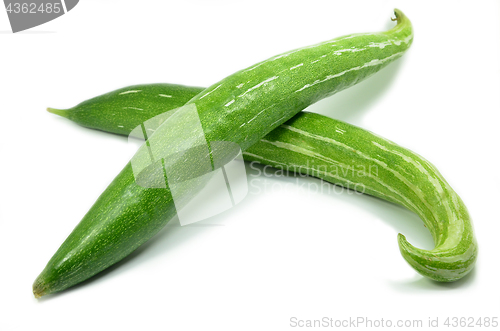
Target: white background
279	254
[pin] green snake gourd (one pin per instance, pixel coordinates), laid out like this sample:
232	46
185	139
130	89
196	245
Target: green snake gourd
330	149
242	109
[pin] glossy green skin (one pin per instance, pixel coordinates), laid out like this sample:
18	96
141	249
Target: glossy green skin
119	110
454	255
330	149
265	96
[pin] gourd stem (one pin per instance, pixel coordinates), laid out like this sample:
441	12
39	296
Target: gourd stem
60	112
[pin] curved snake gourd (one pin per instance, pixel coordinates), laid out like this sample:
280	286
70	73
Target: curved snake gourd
331	148
242	108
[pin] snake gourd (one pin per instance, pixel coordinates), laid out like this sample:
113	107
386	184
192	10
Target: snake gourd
242	109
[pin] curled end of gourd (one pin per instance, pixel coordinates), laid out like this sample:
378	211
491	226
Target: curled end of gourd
60	112
399	15
441	264
403	30
402	23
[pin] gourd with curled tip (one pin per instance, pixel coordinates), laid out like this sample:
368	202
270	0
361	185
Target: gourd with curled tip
242	108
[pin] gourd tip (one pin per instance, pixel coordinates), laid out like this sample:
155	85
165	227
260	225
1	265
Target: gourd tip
38	289
60	112
403	243
408	251
399	15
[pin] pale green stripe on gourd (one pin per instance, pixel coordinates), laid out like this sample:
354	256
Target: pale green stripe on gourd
242	109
